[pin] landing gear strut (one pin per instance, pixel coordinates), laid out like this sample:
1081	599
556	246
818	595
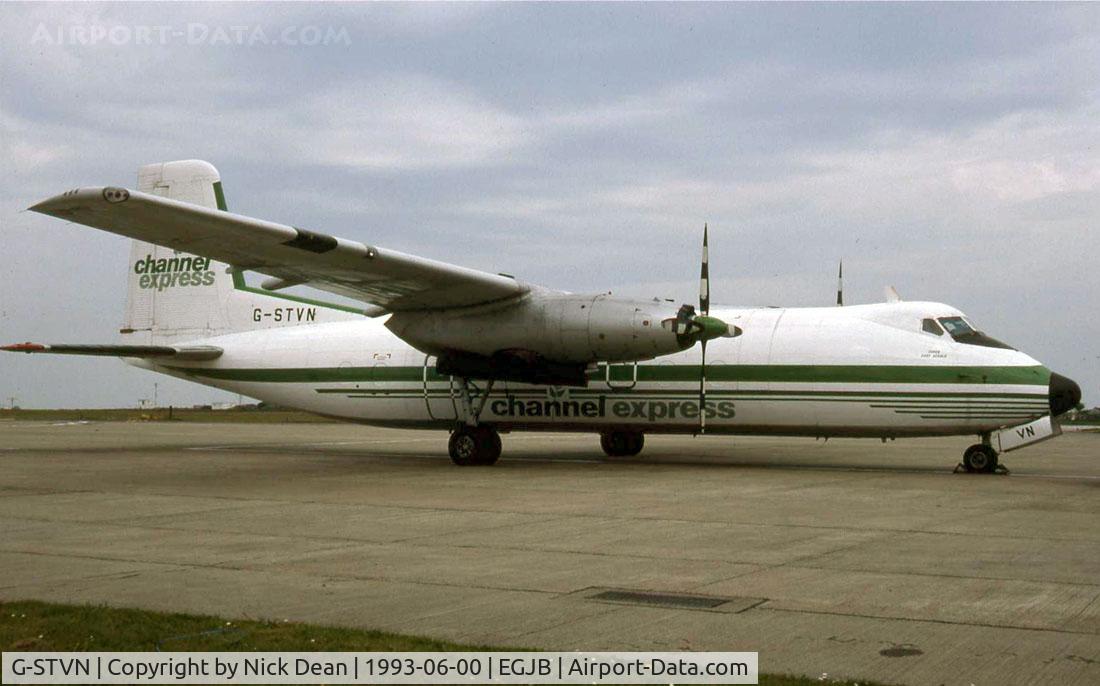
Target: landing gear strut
622	443
472	443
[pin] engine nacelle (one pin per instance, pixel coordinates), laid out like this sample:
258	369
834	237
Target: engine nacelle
565	328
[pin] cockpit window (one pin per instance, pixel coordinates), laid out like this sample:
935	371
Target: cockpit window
930	326
961	331
956	326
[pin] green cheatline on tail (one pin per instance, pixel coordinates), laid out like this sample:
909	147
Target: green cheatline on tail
238	276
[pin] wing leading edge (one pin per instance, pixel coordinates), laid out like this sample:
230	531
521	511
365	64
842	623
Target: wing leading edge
386	278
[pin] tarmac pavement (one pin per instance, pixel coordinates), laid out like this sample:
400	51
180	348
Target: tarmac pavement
847	558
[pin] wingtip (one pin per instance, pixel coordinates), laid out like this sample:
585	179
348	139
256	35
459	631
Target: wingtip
61	203
41	206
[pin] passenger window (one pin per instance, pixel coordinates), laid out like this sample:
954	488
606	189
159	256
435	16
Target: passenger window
930	326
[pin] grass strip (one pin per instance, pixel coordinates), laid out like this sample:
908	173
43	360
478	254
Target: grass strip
30	625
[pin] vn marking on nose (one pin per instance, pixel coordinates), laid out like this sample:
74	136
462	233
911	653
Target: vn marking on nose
1026	432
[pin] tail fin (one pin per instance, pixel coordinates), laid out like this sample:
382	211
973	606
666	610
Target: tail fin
174	296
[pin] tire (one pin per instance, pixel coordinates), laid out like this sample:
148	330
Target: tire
472	446
463	447
622	443
605	443
980	458
491	445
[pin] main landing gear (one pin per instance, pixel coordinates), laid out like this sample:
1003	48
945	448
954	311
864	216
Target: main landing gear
982	458
622	443
472	443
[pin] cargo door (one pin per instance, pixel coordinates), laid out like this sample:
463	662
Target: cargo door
439	392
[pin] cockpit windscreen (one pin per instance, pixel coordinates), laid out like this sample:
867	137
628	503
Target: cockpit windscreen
960	329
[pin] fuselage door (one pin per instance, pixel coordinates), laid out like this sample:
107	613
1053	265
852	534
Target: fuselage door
439	392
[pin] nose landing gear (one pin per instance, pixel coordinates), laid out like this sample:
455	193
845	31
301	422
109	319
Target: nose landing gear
980	458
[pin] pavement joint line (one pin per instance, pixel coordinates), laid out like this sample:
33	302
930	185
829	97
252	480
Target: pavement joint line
411	540
249	503
1075	584
645	462
262	569
599	610
925	620
284	445
125	521
85	577
394	580
1089	604
701	588
318	445
759	603
191	565
875	537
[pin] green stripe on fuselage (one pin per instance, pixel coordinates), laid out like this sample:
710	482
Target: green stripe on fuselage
829	374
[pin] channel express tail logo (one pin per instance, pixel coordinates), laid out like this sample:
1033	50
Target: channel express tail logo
170	272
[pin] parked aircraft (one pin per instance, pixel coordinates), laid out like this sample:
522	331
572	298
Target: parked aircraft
438	346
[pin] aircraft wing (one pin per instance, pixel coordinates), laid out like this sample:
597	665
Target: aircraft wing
188	352
386	278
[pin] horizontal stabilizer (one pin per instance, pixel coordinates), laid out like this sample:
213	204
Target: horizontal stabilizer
191	352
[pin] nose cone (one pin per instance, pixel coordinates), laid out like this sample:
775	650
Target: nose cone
1064	394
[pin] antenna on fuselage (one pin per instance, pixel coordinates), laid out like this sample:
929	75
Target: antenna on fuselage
840	286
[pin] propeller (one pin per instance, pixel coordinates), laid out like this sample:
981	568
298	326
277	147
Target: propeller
704	306
840	285
690	327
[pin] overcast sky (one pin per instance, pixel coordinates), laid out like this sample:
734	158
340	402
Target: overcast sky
952	151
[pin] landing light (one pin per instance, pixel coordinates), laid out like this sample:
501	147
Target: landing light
111	194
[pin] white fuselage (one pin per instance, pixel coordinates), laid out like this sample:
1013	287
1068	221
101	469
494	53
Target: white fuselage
864	370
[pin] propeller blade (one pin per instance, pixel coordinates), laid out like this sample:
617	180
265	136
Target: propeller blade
704	308
704	278
703	389
840	285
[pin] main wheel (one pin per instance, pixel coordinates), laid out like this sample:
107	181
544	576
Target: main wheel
622	443
490	441
474	445
980	458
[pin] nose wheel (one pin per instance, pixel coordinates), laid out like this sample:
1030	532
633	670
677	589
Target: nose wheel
474	445
980	458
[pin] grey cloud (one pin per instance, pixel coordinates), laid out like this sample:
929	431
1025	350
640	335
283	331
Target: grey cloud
947	149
